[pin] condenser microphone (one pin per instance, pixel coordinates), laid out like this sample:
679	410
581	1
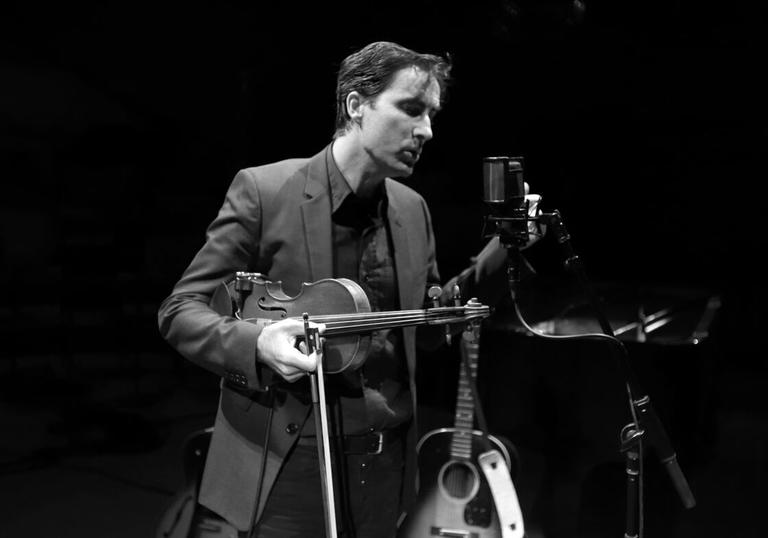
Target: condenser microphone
503	183
504	193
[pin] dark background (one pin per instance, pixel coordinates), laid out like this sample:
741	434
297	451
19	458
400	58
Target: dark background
122	124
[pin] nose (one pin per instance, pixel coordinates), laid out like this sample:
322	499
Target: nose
423	129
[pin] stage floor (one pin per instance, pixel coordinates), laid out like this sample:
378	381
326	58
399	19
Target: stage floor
98	453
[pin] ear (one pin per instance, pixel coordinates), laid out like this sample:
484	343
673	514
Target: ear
354	103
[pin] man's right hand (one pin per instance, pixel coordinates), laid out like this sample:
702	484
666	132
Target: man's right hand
276	347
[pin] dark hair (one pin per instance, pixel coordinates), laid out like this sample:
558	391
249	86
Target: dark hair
371	69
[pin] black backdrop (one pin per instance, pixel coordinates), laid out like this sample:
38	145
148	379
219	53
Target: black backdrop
123	124
643	124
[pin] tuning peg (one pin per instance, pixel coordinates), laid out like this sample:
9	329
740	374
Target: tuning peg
456	295
434	293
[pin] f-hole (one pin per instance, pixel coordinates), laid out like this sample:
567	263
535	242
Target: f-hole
270	307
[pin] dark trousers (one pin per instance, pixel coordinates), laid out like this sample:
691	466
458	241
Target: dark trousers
367	495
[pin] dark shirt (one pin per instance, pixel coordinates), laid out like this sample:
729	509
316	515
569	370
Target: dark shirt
377	395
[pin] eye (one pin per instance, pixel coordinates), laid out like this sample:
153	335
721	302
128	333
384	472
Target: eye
412	109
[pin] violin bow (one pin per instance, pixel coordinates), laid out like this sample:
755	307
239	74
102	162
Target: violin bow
317	380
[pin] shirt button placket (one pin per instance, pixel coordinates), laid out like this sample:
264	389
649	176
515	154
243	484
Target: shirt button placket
363	473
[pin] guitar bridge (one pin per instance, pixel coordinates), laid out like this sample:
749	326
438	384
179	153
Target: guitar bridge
453	533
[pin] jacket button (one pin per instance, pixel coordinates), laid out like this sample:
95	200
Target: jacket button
292	428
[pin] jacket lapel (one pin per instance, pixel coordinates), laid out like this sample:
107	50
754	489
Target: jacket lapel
410	296
316	217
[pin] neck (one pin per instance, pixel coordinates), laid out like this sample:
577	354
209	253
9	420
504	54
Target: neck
356	166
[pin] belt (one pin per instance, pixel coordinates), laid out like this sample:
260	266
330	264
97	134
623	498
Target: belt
370	443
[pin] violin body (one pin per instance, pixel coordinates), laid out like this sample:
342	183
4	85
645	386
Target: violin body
264	299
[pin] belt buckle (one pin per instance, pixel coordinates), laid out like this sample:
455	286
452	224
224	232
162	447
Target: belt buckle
376	444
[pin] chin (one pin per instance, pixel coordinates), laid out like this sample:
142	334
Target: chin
403	170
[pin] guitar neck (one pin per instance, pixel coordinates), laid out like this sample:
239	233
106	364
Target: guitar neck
464	420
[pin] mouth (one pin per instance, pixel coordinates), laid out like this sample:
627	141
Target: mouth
412	155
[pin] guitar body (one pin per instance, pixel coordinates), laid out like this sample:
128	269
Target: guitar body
465	486
454	498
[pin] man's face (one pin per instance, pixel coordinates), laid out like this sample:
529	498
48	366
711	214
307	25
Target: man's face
397	123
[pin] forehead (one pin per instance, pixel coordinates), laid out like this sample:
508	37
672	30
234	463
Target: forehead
414	83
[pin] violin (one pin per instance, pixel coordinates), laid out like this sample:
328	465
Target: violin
339	303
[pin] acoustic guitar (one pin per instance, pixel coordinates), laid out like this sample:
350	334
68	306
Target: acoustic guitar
463	479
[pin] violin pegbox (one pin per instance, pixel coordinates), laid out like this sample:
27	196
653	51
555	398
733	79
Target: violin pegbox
475	311
434	293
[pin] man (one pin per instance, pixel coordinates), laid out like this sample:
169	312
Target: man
337	214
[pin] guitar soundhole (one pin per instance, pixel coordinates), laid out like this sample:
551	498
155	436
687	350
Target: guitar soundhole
459	480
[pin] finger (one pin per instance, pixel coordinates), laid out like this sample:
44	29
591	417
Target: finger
291	373
292	378
314	357
290	326
301	361
533	204
527	187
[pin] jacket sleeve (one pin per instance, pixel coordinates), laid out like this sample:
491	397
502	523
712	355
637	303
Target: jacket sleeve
214	340
485	279
486	276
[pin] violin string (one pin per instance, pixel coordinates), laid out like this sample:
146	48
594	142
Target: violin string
397	314
341	328
325	318
372	324
371	321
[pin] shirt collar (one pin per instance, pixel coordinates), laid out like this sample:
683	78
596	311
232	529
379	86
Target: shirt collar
340	189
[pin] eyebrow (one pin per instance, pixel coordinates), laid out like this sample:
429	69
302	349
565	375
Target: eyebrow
420	100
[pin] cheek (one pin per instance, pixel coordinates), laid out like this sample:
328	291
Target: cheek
383	132
386	132
395	130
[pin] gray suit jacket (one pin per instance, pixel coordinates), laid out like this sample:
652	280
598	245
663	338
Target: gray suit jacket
276	220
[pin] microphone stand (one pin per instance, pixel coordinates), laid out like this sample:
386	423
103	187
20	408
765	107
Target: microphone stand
512	237
645	422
